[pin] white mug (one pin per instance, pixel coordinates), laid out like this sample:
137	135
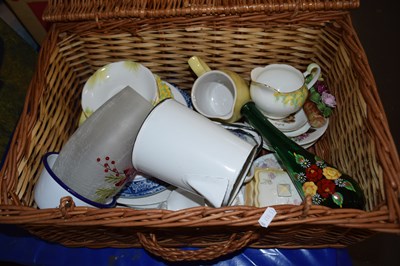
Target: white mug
218	94
189	151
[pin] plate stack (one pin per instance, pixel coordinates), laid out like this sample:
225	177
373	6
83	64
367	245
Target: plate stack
297	127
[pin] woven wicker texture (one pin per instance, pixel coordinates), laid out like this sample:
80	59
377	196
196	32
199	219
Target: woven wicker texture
358	139
70	10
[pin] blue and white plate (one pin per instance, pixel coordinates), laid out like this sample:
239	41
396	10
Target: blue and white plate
145	193
245	132
142	186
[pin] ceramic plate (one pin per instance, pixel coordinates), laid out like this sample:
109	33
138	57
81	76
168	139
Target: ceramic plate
312	135
306	139
112	78
181	199
290	123
271	187
306	146
142	186
266	161
244	132
299	131
179	95
157	201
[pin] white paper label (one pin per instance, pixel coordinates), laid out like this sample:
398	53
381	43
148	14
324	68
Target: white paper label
267	217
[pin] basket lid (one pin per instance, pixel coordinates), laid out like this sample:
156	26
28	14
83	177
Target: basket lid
83	10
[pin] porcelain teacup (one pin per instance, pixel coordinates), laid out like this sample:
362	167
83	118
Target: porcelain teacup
279	90
218	94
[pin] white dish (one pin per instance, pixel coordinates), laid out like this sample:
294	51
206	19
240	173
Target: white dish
179	95
245	132
181	199
291	123
312	135
269	160
112	78
299	131
306	140
142	186
155	201
271	187
306	146
267	147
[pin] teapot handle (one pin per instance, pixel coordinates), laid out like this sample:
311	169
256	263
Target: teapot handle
198	66
311	67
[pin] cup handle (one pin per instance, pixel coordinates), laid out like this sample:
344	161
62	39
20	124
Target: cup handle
198	66
311	67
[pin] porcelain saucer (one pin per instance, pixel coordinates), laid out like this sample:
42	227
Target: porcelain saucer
306	140
311	136
299	131
150	195
291	123
180	199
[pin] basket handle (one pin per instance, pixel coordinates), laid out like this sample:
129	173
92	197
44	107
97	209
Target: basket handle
234	243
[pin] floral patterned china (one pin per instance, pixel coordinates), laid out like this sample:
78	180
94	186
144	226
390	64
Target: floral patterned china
290	123
311	135
299	131
142	186
153	200
270	187
279	90
179	95
112	78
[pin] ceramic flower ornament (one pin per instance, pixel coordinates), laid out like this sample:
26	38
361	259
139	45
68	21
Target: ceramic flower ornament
324	100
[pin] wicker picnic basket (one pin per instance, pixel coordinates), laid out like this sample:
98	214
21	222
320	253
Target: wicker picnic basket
236	35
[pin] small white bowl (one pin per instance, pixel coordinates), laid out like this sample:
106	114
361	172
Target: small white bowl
49	189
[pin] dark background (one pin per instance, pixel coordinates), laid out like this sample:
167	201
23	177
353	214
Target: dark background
377	27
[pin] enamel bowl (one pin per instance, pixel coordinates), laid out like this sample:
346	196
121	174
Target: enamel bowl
49	189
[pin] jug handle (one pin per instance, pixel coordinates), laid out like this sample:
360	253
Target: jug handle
198	66
309	70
